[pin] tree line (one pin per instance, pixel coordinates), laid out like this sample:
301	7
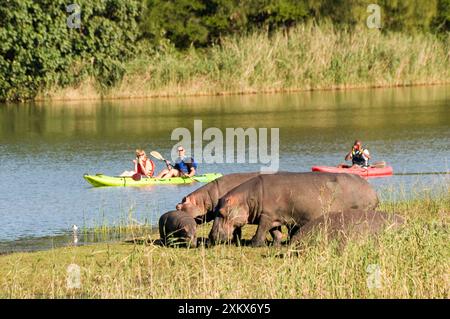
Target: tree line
39	47
204	22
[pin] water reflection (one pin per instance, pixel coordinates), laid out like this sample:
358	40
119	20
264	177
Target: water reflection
45	148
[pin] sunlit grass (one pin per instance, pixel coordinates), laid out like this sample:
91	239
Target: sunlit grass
409	263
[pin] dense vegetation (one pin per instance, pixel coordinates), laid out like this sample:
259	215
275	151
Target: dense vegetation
39	51
204	22
313	57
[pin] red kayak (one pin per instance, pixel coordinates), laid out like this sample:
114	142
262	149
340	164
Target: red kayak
364	172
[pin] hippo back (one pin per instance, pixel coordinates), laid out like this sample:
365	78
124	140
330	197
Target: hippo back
327	191
348	224
297	198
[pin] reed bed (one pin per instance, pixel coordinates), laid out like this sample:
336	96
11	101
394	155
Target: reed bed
310	57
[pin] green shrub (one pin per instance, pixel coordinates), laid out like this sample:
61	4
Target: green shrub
38	49
205	22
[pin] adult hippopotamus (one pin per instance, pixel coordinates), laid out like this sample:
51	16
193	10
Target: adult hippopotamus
177	227
291	199
349	224
201	203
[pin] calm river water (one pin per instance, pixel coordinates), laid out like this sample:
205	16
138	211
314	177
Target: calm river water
46	148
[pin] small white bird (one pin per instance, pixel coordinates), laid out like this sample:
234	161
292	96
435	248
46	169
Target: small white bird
75	234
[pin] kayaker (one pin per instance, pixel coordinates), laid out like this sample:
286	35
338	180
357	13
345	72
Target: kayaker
184	166
360	156
143	166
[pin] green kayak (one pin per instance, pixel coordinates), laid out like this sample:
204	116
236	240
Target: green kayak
100	180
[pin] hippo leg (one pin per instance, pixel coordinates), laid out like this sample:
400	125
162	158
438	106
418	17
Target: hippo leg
265	225
237	235
292	230
296	237
277	236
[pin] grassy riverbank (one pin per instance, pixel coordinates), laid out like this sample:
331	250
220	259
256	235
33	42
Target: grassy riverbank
311	57
412	263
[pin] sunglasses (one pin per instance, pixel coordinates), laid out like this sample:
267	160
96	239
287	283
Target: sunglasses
180	150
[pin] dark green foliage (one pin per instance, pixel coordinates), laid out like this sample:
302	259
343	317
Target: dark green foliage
180	21
408	15
191	22
203	22
38	49
442	20
273	14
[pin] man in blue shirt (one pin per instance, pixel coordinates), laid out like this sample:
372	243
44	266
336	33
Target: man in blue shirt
184	166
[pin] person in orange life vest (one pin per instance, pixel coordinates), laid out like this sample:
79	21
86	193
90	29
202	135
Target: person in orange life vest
143	166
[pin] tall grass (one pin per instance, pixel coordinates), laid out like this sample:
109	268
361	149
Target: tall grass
311	57
409	263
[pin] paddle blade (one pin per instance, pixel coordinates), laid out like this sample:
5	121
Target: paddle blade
157	155
136	177
379	165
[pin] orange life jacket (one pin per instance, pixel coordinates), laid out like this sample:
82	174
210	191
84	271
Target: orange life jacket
151	170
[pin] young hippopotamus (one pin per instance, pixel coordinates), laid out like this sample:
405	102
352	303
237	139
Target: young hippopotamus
177	228
291	199
201	203
348	224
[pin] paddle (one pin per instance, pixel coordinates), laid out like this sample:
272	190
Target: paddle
423	173
158	156
381	164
